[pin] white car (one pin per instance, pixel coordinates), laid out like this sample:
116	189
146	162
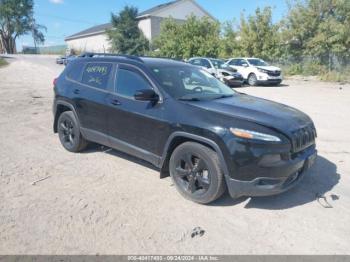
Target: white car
256	71
219	69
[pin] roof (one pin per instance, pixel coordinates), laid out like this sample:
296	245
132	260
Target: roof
157	8
91	31
149	12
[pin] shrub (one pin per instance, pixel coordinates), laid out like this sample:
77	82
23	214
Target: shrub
313	69
334	76
3	62
294	69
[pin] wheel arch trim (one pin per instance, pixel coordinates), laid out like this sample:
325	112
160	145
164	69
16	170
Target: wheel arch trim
70	106
195	138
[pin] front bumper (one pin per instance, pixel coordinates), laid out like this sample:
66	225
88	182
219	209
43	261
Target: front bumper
233	80
290	174
263	78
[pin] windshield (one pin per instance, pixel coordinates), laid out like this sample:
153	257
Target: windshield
218	64
257	62
190	83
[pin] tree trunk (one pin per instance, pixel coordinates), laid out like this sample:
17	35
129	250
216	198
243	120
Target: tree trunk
8	44
2	50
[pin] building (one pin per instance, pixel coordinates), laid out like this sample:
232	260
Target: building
95	39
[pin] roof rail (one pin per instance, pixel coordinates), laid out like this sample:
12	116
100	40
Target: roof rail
88	54
164	57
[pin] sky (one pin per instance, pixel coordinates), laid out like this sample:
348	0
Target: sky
66	17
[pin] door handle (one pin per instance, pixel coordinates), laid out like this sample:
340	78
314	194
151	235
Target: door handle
76	91
115	102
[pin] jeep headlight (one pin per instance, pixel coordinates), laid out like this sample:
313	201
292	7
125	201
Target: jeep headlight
247	134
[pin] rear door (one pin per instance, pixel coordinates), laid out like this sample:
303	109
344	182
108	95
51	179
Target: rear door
89	95
134	126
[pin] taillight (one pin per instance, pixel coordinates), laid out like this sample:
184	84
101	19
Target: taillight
55	82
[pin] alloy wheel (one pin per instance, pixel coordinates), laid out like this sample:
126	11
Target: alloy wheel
192	174
66	128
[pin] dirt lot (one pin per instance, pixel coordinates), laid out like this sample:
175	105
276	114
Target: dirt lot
109	203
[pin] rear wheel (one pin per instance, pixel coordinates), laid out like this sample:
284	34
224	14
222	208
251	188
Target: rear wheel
252	80
196	172
69	132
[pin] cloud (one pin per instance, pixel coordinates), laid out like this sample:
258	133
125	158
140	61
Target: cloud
57	2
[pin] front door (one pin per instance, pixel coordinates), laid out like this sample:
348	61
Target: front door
134	126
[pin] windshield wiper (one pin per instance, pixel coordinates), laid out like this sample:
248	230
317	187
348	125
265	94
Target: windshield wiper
223	96
189	99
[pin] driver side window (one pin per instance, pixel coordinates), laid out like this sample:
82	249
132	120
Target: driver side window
233	62
129	81
241	62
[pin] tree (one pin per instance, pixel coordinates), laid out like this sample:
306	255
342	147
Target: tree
320	29
258	35
16	19
37	33
194	37
125	35
229	44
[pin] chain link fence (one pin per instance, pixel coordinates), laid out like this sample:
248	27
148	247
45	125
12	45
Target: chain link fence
331	68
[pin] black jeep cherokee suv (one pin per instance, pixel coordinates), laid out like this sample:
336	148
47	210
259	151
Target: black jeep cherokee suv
184	121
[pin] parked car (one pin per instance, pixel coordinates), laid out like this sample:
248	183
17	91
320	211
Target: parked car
60	60
69	59
186	122
219	69
256	71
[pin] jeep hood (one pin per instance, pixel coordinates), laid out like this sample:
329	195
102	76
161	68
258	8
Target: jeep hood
264	112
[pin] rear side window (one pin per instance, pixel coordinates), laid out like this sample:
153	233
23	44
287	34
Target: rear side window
74	71
97	74
130	81
206	63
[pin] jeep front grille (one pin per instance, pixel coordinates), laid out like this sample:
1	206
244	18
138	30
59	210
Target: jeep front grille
303	138
274	73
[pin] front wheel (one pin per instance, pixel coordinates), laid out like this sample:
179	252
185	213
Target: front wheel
195	170
252	80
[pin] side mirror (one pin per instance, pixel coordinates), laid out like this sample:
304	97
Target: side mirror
146	95
245	65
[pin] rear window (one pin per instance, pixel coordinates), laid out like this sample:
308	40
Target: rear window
97	75
74	71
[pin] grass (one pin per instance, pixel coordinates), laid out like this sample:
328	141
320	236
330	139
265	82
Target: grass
3	62
320	71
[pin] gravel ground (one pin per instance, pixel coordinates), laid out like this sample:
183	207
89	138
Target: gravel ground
103	201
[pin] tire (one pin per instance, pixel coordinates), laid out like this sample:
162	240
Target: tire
252	80
69	133
196	173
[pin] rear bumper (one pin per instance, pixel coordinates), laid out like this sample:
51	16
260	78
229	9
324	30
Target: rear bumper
291	173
